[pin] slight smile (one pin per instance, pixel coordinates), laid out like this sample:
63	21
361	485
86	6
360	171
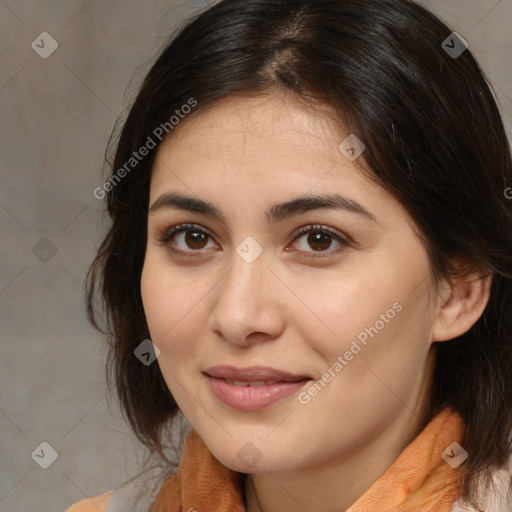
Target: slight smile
252	388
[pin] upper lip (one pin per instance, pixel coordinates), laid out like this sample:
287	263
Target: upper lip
253	373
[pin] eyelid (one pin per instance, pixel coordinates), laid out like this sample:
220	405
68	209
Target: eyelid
166	234
311	228
344	240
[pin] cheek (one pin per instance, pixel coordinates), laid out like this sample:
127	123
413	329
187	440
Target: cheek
159	296
175	308
347	306
375	324
155	302
169	312
382	363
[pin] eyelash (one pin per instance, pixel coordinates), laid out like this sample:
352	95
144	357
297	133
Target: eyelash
166	236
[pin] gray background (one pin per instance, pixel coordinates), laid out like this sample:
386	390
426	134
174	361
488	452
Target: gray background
56	116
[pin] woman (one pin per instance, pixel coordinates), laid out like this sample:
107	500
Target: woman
310	258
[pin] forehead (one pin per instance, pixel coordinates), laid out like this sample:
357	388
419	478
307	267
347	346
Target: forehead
270	135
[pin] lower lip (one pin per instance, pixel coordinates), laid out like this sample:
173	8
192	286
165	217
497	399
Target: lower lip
252	398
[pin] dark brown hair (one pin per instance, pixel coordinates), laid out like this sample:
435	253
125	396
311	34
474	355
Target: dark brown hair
434	139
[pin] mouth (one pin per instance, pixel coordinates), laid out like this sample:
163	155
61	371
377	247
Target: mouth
253	375
252	388
252	383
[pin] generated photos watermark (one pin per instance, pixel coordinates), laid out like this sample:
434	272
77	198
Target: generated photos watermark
137	156
352	147
146	352
455	45
454	455
305	397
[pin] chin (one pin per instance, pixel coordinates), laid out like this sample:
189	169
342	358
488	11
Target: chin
260	466
250	458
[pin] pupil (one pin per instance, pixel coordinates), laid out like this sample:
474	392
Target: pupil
319	238
195	240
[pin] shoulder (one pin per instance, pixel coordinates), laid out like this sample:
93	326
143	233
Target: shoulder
95	504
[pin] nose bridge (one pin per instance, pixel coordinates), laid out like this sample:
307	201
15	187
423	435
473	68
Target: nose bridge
248	272
243	304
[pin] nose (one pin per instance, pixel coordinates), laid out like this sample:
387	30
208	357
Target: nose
248	303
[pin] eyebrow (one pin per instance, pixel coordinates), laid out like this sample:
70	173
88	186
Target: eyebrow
274	214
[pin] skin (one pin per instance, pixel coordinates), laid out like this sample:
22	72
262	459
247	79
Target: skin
290	310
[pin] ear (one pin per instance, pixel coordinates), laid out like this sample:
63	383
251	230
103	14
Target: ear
461	302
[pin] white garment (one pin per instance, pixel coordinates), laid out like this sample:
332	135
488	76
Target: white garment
497	499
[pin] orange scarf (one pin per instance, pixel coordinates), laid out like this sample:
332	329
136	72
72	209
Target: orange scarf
418	481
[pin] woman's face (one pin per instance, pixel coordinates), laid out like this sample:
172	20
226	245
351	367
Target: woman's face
344	310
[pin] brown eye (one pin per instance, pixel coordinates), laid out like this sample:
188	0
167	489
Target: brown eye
319	241
196	239
186	239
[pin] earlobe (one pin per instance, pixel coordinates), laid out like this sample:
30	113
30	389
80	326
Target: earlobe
460	306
